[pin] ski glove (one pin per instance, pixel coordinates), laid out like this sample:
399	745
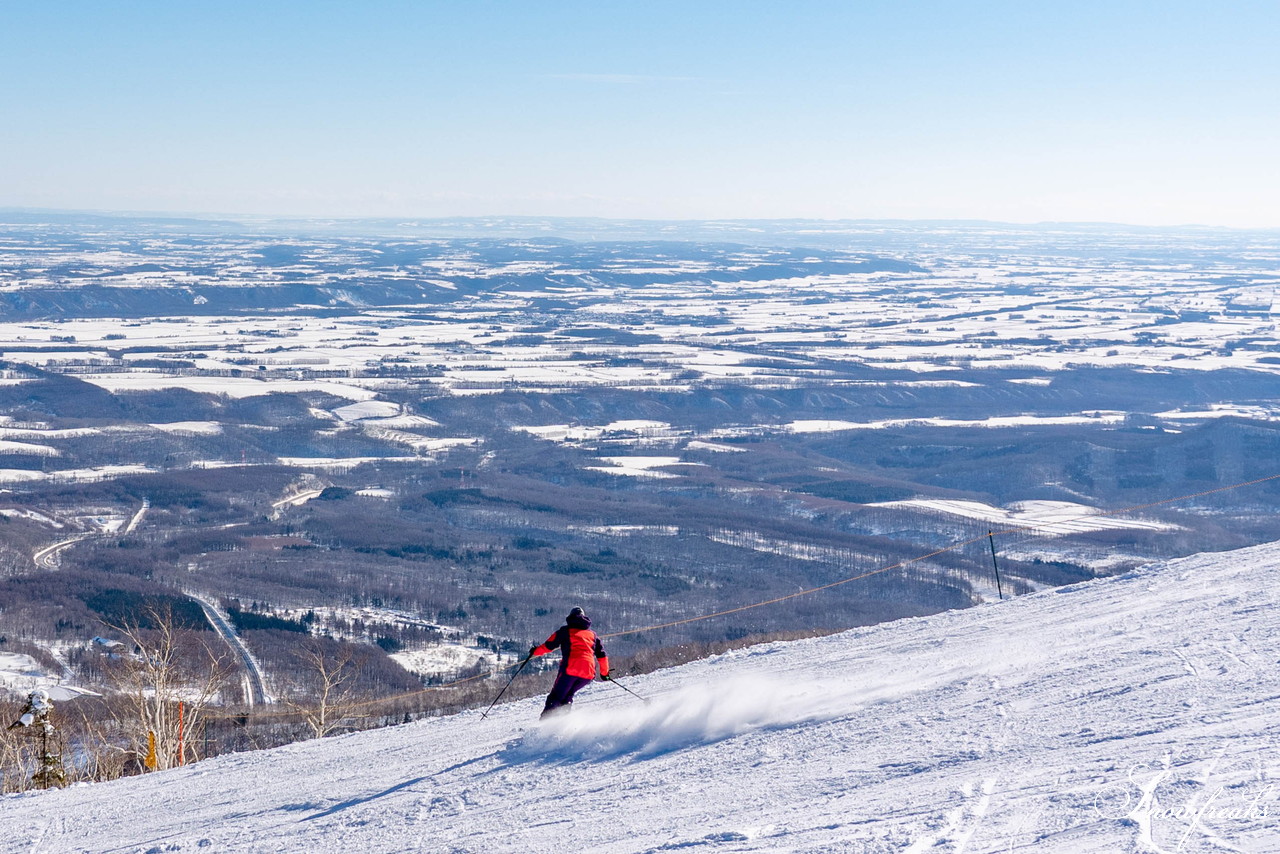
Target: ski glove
532	651
605	677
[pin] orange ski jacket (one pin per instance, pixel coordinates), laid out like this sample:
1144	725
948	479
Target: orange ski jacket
580	649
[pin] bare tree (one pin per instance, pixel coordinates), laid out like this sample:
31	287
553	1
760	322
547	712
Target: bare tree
170	677
325	694
16	765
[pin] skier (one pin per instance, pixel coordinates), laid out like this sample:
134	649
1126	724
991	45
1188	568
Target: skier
580	649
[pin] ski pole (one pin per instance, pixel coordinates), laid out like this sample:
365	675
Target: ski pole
505	687
615	681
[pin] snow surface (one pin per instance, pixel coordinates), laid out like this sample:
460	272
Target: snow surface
827	426
234	387
637	466
1051	518
367	409
20	671
7	447
443	659
1137	713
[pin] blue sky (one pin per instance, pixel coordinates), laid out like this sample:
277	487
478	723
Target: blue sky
1152	112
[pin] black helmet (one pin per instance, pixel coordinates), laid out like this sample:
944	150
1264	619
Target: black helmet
578	619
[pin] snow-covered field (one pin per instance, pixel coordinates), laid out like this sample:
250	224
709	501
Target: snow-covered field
1031	310
1030	314
1137	713
1049	518
21	671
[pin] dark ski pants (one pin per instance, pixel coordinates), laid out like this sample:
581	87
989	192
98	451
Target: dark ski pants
562	692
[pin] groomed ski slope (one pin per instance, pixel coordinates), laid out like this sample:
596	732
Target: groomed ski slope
1139	713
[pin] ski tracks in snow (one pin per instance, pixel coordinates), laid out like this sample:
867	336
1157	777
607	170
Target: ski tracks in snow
961	822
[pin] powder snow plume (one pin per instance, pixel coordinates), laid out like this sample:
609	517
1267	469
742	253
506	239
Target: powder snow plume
694	715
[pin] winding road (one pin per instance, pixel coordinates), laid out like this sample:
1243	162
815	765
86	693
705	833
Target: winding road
255	683
47	557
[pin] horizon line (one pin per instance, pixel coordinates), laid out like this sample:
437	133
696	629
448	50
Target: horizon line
409	218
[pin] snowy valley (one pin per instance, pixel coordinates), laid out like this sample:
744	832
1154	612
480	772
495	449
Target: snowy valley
1135	713
373	461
